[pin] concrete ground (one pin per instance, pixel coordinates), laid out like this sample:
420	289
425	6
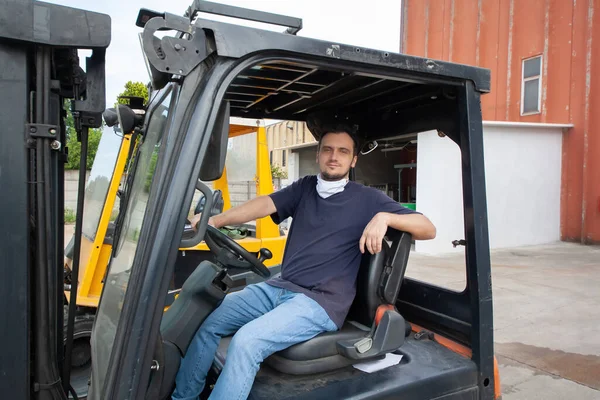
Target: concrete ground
546	316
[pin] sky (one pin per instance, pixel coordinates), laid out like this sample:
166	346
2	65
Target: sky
374	24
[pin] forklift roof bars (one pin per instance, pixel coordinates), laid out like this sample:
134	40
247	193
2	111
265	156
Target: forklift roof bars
293	24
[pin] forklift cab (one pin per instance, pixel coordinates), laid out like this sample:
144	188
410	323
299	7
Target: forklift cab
224	70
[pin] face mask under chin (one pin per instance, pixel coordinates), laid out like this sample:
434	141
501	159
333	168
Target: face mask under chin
326	188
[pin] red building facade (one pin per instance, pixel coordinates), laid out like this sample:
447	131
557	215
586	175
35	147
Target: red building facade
542	54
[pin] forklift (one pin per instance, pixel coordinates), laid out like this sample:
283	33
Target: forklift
202	73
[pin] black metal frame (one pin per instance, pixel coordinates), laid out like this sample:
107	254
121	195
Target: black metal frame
14	243
453	93
38	67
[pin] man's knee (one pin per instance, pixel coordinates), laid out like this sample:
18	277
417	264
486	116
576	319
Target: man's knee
246	344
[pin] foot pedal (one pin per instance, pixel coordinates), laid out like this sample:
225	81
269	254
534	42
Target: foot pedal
363	345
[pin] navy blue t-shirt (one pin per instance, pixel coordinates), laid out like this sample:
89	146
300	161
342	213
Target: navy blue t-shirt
322	256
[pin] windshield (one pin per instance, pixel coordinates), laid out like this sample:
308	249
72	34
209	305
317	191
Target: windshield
241	168
117	280
99	180
241	158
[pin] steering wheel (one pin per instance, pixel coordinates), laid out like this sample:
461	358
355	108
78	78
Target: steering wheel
229	252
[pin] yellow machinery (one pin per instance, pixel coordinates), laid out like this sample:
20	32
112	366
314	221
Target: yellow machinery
96	247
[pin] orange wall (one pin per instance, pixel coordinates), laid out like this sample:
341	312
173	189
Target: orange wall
499	34
591	147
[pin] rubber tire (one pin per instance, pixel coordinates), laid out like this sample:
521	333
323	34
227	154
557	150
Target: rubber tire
82	328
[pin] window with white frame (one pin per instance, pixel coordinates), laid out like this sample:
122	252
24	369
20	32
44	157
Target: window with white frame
531	86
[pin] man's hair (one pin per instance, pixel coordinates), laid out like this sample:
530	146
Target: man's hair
351	130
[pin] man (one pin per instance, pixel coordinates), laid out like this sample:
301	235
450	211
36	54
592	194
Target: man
334	221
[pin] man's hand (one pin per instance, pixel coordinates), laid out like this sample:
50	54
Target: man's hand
196	218
194	221
373	234
419	226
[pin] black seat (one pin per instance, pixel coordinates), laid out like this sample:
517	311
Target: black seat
373	326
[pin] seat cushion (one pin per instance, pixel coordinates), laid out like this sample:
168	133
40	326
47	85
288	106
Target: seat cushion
311	357
323	345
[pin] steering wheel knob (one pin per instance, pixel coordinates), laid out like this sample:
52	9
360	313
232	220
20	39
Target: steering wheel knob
265	254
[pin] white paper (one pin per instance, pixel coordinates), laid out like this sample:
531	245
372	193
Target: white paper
372	366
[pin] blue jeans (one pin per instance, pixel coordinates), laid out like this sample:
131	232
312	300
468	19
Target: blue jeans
267	319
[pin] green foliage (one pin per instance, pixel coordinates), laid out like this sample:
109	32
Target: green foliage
137	89
151	169
135	235
74	146
278	172
69	216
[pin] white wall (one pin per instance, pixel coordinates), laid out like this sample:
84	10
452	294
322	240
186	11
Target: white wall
439	191
71	185
523	180
293	168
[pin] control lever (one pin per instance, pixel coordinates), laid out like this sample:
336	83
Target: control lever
265	254
385	336
365	344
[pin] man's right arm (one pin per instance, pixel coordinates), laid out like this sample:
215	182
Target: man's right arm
256	208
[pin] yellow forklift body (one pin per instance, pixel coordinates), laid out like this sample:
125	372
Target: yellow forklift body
95	254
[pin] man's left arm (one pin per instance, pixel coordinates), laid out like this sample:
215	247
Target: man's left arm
416	224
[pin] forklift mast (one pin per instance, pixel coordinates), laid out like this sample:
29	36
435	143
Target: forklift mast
39	70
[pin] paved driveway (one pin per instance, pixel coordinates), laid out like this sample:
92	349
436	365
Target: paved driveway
546	316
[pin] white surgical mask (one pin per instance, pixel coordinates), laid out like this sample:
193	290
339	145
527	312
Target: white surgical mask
329	188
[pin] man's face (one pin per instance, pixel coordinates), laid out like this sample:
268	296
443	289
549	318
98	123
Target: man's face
336	156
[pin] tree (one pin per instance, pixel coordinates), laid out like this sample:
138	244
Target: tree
278	172
74	145
137	89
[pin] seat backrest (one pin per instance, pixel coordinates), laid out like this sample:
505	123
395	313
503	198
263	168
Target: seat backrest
380	277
